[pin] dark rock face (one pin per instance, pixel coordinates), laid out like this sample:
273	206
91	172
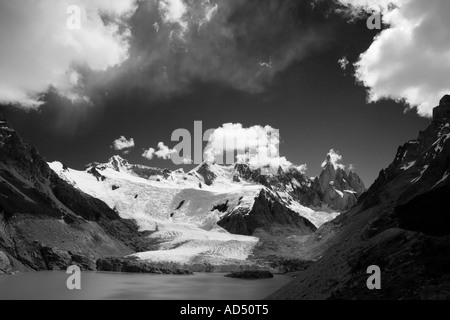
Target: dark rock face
85	262
205	172
5	264
337	188
400	224
56	259
442	112
250	275
59	260
266	213
427	213
221	207
134	266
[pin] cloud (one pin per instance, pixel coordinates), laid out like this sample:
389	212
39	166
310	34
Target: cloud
149	154
163	152
174	11
302	168
409	61
40	51
122	144
187	160
258	146
241	44
343	63
334	158
160	46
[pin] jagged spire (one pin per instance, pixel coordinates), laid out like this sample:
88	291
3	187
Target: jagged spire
442	112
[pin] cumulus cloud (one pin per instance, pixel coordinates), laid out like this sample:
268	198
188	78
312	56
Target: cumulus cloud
40	51
122	144
149	154
343	63
164	152
258	146
334	158
409	61
302	168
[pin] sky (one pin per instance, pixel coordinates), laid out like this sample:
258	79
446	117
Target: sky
127	74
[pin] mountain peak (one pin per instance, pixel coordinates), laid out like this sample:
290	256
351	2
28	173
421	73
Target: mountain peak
118	162
442	112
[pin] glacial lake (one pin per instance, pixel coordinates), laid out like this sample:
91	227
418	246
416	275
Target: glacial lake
120	286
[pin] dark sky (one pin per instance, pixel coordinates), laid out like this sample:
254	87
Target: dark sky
315	104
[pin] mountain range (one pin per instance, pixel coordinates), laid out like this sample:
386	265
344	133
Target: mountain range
214	216
117	216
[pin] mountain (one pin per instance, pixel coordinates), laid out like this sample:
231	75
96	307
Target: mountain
45	223
220	217
334	188
181	213
214	215
401	225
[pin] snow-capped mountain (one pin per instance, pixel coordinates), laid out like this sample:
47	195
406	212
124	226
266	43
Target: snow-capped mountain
401	225
224	216
213	214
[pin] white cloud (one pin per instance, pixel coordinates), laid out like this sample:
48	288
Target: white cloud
39	50
410	60
163	152
173	11
179	13
258	146
149	154
122	144
187	160
343	63
334	158
302	168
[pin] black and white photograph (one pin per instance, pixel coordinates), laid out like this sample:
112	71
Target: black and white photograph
224	154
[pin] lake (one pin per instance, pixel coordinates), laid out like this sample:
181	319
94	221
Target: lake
120	286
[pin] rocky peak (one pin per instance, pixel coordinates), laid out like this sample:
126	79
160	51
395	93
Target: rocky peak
420	165
442	112
244	172
206	172
118	163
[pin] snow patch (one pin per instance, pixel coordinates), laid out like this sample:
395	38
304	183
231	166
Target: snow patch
425	168
340	193
408	165
446	175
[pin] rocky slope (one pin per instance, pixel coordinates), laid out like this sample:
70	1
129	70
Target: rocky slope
267	212
45	223
401	225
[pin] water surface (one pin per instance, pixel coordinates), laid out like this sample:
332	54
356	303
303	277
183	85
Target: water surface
120	286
